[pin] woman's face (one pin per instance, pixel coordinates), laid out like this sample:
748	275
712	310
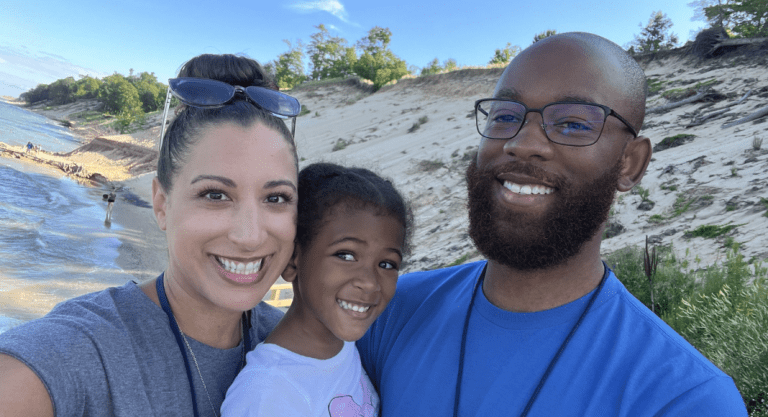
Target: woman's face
230	218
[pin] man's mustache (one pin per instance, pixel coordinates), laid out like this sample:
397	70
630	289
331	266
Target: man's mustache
527	169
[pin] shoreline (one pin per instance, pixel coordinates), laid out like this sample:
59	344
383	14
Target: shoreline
99	165
123	163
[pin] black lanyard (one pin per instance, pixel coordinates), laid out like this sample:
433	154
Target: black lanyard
177	334
552	363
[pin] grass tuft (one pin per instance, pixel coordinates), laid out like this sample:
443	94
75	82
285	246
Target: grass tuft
711	231
339	145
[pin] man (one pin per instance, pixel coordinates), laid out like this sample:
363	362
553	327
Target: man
543	328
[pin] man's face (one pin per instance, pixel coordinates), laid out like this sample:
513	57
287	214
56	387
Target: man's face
533	204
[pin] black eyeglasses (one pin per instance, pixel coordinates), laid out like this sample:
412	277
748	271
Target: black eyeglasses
564	123
207	93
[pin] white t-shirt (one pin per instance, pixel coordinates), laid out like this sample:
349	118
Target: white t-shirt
278	382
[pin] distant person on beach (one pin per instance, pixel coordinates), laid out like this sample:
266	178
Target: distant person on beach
225	195
352	234
110	202
543	327
30	146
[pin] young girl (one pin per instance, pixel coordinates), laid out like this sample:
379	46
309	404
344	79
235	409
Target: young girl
351	237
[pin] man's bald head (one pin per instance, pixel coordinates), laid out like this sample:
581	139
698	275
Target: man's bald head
616	63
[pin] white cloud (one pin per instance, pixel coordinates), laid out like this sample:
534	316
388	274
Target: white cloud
21	69
333	7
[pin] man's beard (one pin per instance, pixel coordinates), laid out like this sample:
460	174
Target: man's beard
537	241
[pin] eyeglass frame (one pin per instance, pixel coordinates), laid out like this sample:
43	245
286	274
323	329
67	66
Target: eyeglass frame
238	89
606	110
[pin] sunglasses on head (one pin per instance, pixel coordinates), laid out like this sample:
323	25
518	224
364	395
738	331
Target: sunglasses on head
207	94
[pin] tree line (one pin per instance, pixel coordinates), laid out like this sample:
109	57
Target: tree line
370	58
127	98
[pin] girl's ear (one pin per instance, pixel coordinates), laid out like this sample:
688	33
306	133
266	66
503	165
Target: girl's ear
290	272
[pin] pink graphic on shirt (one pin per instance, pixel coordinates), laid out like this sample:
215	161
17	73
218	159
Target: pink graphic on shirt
345	405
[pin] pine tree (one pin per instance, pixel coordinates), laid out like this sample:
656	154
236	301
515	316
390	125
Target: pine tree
655	36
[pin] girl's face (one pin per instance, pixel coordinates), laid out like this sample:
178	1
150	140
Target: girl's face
230	218
348	273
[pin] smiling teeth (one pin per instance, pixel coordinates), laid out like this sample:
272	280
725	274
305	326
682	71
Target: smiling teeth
354	307
527	189
239	267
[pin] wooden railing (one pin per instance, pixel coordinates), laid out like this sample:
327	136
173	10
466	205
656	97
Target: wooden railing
274	295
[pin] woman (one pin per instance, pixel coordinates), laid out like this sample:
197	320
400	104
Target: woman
225	194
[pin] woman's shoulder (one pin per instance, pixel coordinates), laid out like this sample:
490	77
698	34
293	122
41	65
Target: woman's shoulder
87	315
264	318
108	305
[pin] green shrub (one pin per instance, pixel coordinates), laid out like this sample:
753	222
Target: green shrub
339	145
642	192
718	310
673	141
681	205
711	231
730	328
654	86
677	94
430	165
417	125
670	283
764	202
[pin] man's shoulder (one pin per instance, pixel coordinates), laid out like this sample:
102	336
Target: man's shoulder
443	278
645	335
428	291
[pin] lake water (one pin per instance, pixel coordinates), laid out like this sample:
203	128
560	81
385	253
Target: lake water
52	229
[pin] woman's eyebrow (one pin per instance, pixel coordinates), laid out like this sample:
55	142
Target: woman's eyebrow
278	183
224	180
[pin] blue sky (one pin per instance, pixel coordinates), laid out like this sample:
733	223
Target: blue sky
41	41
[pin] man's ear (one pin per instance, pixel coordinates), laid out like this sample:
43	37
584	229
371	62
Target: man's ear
637	155
290	272
159	203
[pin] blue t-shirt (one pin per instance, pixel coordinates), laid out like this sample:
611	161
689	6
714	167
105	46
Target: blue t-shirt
622	360
113	353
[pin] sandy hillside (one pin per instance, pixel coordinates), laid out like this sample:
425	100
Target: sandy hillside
420	132
715	179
